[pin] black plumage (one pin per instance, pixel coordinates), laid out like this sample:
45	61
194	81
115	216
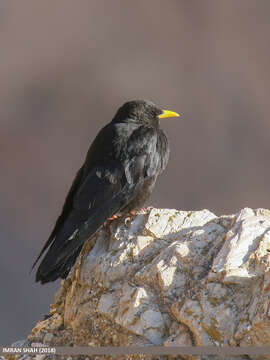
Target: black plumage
118	175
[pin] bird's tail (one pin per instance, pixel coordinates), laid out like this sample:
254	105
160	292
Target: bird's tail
68	242
54	264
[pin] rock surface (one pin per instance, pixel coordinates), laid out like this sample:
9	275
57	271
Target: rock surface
168	277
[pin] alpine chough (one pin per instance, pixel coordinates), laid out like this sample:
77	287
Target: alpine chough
118	175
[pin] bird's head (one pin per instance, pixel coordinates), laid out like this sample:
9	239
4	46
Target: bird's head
142	111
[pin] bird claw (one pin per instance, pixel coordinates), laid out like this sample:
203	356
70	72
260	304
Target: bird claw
114	217
134	213
139	211
143	210
127	220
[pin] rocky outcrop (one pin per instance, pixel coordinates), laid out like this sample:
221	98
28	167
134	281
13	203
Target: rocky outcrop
168	277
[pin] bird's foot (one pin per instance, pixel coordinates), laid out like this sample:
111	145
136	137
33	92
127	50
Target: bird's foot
114	217
141	211
133	213
111	219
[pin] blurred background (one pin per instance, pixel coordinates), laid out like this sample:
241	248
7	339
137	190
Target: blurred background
65	68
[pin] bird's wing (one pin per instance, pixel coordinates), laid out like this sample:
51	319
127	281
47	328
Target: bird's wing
99	197
64	214
102	193
109	188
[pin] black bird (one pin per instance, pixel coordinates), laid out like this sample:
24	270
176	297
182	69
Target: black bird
118	175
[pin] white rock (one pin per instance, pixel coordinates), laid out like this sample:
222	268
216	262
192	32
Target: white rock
173	276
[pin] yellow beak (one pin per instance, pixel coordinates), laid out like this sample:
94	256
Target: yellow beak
168	113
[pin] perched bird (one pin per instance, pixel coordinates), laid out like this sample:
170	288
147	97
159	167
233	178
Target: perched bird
118	175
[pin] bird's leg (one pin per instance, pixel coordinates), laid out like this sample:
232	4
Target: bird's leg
133	213
109	221
114	217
